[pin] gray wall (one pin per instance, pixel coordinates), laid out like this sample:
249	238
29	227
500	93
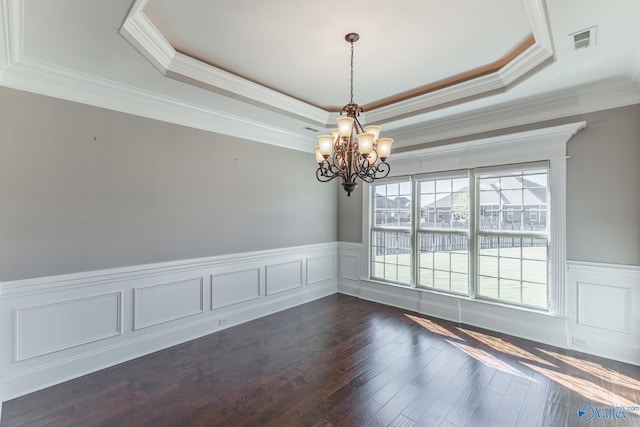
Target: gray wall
603	188
350	215
83	188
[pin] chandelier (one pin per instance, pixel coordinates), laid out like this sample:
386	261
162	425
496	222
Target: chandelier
352	151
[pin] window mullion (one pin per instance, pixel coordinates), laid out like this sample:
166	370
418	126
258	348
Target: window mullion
415	214
474	212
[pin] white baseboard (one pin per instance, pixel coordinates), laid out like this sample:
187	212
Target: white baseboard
64	327
602	313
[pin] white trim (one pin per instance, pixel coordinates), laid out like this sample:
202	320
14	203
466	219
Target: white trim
19	354
138	30
612	328
408	124
521	147
39	77
557	235
564	103
622	343
17	288
11	12
149	41
30	372
140	290
545	144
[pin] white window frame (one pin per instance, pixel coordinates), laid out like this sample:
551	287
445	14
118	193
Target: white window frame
536	145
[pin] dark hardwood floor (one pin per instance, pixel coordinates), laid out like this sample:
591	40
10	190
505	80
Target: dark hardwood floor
341	361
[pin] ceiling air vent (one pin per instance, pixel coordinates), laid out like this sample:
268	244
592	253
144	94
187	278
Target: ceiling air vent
583	38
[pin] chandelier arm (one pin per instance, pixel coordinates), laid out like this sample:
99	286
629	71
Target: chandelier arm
322	176
358	126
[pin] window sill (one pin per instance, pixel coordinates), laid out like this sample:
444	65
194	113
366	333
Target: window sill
479	301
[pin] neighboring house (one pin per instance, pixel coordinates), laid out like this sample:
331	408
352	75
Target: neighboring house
393	211
518	204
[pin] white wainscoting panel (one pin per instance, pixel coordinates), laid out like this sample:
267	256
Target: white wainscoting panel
165	302
283	277
234	287
321	269
62	325
53	329
349	267
603	307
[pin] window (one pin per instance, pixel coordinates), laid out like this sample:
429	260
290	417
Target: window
443	243
391	232
512	255
481	233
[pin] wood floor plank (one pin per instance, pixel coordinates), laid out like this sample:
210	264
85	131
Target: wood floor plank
340	361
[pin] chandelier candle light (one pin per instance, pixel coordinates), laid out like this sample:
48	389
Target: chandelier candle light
352	151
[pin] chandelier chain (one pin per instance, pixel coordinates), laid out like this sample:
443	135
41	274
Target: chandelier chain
351	72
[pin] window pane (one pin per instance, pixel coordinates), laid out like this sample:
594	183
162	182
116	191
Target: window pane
392	204
534	271
516	201
510	268
445	204
460	283
513	269
488	287
510	290
535	294
443	263
391	256
441	280
533	248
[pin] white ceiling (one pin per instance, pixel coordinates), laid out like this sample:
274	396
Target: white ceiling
267	71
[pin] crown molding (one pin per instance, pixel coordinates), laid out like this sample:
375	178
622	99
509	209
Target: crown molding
558	135
187	69
536	11
531	59
528	61
407	122
46	79
568	103
138	30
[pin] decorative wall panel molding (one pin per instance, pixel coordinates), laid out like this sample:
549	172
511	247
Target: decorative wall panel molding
592	298
50	328
321	269
283	277
235	287
58	328
162	303
603	307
